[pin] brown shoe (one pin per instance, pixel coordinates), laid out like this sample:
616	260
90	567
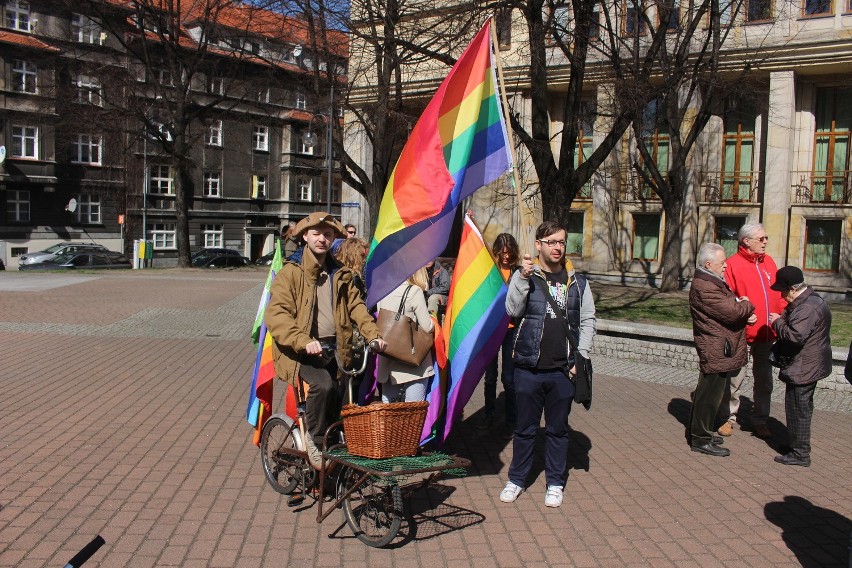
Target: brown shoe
726	429
762	431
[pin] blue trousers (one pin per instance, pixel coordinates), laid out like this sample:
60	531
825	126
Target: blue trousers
552	392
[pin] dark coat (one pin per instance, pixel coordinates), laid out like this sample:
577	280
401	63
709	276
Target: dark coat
718	317
806	323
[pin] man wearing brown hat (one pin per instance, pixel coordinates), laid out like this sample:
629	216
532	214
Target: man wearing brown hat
312	309
803	340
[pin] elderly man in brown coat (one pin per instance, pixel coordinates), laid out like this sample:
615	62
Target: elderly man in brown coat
719	319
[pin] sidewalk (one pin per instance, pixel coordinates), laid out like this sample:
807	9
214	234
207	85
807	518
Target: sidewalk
122	414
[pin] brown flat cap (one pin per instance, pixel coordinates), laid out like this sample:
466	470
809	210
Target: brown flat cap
319	218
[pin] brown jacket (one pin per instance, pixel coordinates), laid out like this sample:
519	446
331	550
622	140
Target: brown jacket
806	323
289	313
718	317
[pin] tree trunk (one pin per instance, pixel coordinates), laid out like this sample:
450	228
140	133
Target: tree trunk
672	241
555	203
183	197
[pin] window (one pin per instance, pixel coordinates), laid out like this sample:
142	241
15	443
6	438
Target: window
17	206
562	23
214	134
634	19
831	147
304	189
89	90
213	236
655	136
216	85
88	208
260	138
301	102
726	233
24	76
585	142
673	22
212	184
163	235
263	95
162	76
574	233
726	12
258	187
87	149
87	30
18	15
759	10
738	152
646	236
504	28
816	7
160	180
307	141
24	142
595	24
822	245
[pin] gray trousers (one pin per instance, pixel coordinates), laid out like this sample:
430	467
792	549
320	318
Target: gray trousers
708	394
799	404
758	354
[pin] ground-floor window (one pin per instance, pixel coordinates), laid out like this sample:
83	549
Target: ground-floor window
164	235
646	236
88	208
18	206
822	244
725	233
213	236
574	233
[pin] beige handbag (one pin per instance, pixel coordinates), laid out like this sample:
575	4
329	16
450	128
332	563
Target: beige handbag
407	342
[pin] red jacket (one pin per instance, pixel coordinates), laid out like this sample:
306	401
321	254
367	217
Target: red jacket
750	274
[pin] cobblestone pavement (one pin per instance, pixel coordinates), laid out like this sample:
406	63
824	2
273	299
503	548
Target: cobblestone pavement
122	414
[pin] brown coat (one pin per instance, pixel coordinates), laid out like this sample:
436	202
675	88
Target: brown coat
806	323
289	313
718	317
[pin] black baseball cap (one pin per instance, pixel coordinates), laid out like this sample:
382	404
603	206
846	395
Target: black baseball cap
787	277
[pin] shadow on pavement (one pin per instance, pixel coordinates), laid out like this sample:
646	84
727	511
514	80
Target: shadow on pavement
818	537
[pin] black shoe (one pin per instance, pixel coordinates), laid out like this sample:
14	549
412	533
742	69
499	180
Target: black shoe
712	450
717	440
793	459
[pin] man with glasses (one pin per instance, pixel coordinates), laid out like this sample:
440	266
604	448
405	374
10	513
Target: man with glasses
543	358
750	274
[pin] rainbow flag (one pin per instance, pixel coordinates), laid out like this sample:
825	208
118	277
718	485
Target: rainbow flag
459	145
475	322
436	389
263	377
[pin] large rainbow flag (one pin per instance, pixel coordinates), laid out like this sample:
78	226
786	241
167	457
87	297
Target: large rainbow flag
263	377
459	145
476	321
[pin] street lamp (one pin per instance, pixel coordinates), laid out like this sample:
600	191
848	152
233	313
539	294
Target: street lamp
311	141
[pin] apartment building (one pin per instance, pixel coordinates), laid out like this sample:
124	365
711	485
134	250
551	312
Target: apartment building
780	156
87	126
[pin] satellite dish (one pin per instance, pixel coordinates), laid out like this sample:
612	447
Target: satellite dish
297	51
72	205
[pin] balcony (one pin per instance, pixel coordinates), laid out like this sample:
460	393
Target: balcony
822	187
730	187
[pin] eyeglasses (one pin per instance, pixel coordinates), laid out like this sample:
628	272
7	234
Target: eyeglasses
552	243
351	232
762	239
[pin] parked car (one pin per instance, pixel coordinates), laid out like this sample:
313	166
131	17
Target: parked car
50	253
218	258
82	261
266	259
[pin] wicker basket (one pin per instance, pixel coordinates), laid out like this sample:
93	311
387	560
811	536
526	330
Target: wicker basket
384	430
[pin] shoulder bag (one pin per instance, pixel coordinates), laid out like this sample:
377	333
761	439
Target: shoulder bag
407	342
583	378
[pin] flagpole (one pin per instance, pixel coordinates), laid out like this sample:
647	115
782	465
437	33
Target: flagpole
526	224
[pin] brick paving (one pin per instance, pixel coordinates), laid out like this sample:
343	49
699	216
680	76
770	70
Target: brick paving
122	403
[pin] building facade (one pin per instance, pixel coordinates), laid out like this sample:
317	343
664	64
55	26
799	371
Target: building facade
781	156
82	161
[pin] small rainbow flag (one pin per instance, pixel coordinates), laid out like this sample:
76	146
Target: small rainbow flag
263	377
476	320
459	145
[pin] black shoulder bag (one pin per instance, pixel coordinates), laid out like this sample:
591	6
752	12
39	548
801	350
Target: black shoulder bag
583	379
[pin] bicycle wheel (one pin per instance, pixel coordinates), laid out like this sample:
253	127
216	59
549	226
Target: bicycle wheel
374	510
283	471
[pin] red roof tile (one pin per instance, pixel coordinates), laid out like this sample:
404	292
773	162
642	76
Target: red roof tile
27	40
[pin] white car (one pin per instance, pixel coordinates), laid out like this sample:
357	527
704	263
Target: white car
56	250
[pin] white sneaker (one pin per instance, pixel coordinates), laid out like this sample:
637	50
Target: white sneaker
314	453
510	492
553	497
